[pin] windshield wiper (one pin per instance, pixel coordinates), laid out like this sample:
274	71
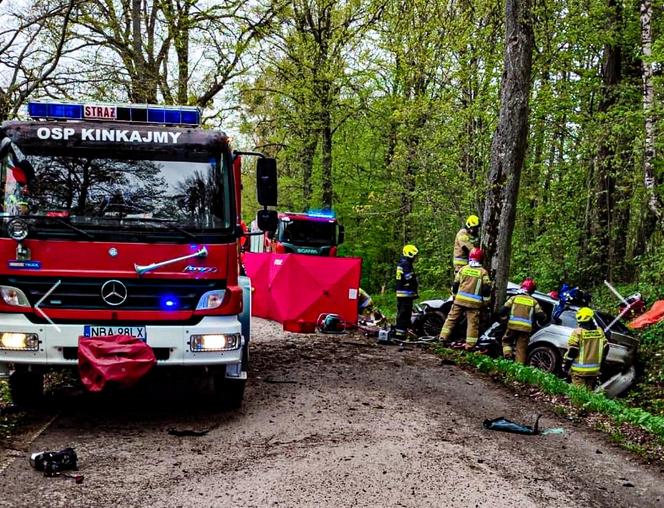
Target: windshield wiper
60	220
166	225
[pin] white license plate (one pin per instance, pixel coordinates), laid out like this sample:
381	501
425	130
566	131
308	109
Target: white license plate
103	331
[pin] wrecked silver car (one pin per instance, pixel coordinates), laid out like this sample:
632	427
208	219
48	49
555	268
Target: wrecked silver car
548	343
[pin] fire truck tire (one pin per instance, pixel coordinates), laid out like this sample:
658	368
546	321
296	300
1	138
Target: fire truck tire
26	387
229	393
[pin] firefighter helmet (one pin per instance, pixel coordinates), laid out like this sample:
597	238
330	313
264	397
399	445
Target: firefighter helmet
476	255
410	251
529	285
584	315
472	221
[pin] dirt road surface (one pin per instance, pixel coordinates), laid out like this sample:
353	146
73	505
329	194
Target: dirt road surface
327	421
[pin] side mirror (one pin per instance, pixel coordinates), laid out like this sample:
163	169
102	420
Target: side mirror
342	234
266	185
267	220
5	147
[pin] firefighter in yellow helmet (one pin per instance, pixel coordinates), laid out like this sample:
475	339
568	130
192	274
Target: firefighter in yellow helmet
523	310
406	289
587	348
472	288
466	240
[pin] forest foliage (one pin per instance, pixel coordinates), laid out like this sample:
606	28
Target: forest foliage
385	111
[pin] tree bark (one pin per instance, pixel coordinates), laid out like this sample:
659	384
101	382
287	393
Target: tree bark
649	180
603	247
509	143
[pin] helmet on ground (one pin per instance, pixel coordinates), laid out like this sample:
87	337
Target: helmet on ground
584	315
472	221
410	251
476	255
529	285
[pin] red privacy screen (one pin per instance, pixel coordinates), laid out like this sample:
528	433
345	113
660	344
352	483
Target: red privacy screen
295	289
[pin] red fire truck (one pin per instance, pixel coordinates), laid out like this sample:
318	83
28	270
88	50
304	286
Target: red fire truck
123	219
315	232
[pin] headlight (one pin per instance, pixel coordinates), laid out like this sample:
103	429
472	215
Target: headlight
215	342
211	299
14	296
19	341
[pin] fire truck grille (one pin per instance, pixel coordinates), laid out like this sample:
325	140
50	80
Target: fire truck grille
125	294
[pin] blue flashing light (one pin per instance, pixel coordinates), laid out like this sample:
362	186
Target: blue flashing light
133	113
322	214
168	302
55	111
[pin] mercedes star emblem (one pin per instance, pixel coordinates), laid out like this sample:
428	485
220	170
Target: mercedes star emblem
114	292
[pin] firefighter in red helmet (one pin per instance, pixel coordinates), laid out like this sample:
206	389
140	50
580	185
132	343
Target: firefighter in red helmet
472	289
523	311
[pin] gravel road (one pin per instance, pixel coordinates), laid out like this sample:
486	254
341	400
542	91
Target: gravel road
327	421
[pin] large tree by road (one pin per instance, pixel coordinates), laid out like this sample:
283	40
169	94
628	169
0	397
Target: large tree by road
508	149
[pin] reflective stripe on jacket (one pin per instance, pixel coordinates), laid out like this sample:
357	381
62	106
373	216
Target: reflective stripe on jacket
463	244
406	279
472	280
590	344
522	312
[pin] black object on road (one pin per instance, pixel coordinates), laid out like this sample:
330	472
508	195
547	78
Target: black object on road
505	425
52	463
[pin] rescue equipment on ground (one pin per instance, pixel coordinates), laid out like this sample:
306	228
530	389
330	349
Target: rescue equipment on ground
51	463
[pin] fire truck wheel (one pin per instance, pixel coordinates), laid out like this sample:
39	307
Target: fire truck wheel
229	393
26	387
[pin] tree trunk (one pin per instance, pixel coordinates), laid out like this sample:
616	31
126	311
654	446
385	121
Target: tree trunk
603	247
649	180
326	155
509	143
307	155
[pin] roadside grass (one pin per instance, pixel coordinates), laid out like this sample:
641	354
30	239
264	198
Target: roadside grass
616	411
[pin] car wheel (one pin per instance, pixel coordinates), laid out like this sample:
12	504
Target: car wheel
432	323
545	358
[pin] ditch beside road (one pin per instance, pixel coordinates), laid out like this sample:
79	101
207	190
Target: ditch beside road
331	420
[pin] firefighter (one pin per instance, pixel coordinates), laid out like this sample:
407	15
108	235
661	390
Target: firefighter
523	310
472	288
587	348
466	240
406	289
365	305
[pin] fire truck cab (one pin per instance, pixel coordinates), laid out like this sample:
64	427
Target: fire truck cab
316	232
123	220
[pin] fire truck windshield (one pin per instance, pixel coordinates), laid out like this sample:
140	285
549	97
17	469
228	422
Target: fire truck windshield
114	196
308	232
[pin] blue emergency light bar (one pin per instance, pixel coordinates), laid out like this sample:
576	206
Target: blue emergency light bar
136	113
322	214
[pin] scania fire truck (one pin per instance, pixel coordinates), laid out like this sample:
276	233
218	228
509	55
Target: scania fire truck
314	232
123	220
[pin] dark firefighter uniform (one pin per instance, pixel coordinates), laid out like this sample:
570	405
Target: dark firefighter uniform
406	289
472	286
523	310
587	347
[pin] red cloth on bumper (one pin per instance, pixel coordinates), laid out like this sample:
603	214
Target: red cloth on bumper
120	359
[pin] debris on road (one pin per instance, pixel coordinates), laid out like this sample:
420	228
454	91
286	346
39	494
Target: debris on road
52	463
188	432
505	425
